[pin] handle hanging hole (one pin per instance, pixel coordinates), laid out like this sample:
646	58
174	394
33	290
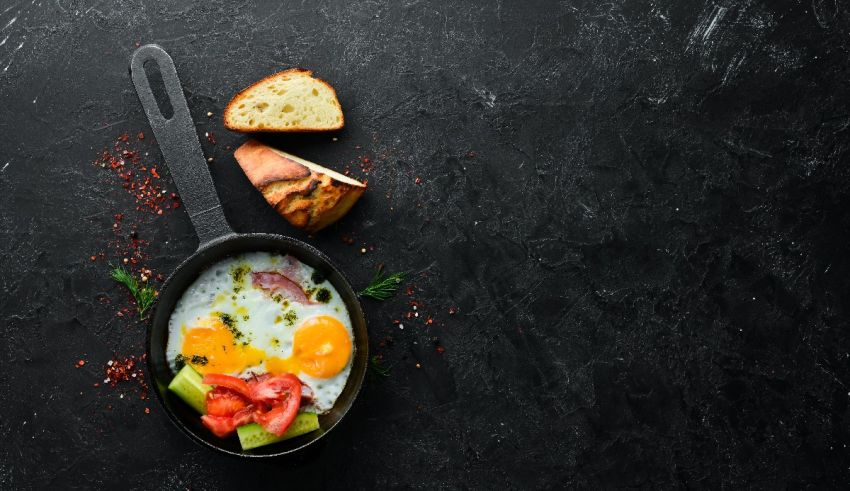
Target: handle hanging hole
154	76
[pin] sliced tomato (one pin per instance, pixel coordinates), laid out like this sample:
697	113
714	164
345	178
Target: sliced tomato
232	383
244	416
283	394
221	426
222	401
274	389
277	420
271	401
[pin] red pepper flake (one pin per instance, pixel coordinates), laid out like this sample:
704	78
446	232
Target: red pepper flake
440	350
140	136
418	180
348	239
80	363
408	290
429	320
119	370
93	258
127	165
452	310
147	410
470	154
210	137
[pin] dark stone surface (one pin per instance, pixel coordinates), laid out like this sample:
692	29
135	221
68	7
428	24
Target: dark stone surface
640	209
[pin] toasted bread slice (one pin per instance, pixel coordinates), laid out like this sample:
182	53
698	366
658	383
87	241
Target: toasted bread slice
307	195
288	101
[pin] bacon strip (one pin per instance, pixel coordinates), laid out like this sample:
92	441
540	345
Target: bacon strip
274	282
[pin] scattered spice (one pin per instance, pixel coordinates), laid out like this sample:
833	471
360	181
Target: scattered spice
452	310
126	163
80	363
119	370
418	180
210	137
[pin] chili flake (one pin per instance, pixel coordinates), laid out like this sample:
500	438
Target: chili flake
126	369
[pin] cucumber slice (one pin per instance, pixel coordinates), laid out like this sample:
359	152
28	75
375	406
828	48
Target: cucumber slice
188	385
253	435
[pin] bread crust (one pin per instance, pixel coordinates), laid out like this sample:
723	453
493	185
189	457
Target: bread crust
230	108
306	198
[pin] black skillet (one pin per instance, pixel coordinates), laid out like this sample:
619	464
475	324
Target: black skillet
182	152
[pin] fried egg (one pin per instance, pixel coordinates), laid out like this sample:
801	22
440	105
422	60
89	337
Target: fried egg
262	313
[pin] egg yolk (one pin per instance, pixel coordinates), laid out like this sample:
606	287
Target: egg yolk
223	352
321	348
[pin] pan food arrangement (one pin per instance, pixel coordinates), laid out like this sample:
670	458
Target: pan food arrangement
258	344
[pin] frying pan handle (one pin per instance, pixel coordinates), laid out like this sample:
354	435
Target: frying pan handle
179	144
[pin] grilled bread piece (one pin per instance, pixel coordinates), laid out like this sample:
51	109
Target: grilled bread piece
307	195
288	101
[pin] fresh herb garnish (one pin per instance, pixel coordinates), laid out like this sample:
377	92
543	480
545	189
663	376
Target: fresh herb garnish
238	274
383	287
317	277
199	360
143	295
230	323
180	360
377	367
323	295
290	317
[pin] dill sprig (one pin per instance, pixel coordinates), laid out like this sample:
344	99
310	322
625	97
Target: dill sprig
377	367
383	287
144	295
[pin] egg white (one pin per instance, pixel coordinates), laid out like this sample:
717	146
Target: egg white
255	313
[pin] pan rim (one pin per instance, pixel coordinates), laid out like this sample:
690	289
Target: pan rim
358	313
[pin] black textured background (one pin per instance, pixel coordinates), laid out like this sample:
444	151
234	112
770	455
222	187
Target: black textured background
640	209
